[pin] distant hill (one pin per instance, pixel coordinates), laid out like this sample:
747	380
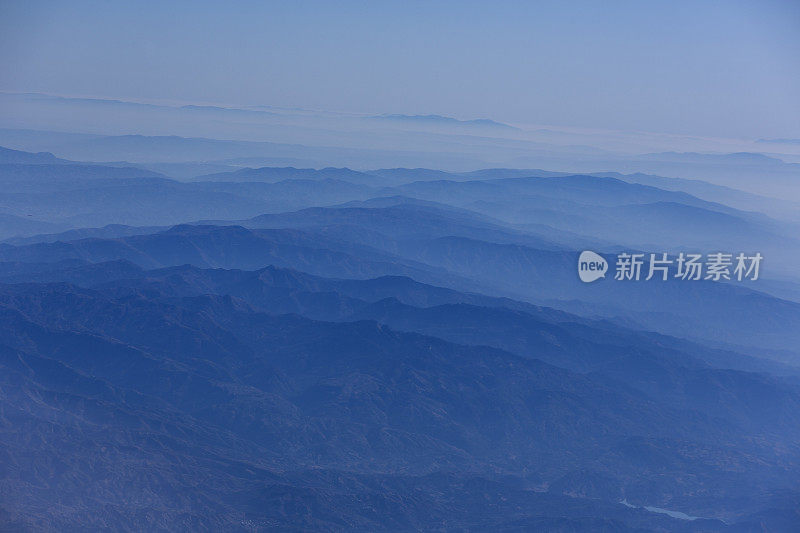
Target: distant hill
439	120
16	157
275	174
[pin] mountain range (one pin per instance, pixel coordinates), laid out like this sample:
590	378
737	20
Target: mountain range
296	348
169	368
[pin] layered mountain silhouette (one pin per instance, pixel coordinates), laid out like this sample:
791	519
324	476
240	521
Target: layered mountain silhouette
292	348
725	314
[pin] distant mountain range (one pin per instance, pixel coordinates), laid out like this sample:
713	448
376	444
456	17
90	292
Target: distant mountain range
705	310
402	349
514	235
428	120
218	135
17	157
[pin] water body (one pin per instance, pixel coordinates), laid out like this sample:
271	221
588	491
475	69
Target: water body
673	514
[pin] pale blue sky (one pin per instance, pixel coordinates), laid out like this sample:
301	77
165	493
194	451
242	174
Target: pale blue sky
723	68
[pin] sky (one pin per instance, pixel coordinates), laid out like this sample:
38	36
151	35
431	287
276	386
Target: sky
728	68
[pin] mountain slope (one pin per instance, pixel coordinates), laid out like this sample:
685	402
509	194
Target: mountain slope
354	398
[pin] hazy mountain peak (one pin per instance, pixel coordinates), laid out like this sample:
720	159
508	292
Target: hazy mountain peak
9	156
443	120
